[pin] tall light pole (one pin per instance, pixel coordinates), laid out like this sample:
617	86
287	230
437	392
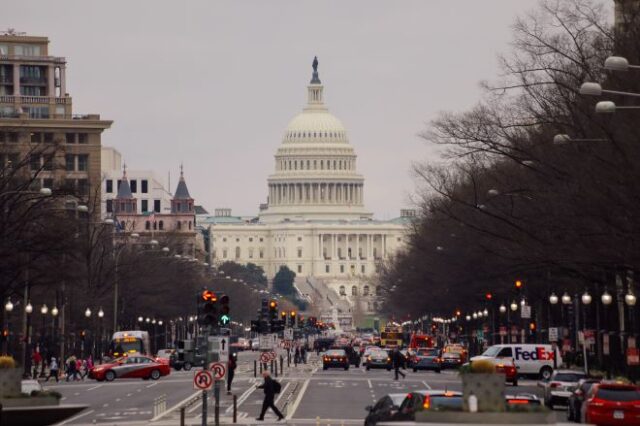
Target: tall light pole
8	307
28	309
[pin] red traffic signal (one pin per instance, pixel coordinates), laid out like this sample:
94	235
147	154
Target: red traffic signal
518	284
209	296
488	296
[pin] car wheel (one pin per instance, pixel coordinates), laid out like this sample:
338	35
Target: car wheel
368	368
178	368
515	382
388	368
346	368
187	366
324	368
438	371
415	370
109	376
155	374
545	373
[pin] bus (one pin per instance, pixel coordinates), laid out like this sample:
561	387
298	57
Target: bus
391	337
124	343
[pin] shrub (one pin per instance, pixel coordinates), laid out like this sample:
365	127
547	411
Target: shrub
483	366
7	362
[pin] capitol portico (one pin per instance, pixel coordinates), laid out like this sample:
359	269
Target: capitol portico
314	220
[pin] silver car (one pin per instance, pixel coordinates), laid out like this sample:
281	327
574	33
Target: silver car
560	385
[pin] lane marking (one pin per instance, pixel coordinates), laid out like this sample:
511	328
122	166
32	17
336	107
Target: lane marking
425	383
282	392
242	398
369	382
76	417
95	387
294	407
151	385
176	406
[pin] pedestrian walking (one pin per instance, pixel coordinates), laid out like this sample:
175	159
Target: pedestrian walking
397	363
72	371
303	353
53	369
231	371
36	359
271	388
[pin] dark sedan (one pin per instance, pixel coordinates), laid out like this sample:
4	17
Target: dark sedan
577	397
427	359
428	400
335	358
385	409
378	359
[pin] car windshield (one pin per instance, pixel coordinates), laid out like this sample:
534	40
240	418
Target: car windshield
492	351
397	398
336	352
618	394
568	377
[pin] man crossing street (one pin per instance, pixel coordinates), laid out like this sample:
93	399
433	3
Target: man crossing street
271	388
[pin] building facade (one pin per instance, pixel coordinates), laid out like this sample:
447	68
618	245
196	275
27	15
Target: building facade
314	221
145	185
37	119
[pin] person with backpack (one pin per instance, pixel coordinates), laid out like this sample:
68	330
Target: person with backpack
271	388
231	369
53	369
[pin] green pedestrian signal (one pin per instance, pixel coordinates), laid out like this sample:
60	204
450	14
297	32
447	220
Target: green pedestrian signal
225	319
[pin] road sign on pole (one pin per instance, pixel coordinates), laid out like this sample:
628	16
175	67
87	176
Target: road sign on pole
219	348
288	333
202	380
266	342
219	370
553	334
525	311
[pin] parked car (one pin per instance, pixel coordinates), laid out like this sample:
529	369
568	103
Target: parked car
335	358
559	387
255	345
577	398
385	409
164	355
521	399
610	404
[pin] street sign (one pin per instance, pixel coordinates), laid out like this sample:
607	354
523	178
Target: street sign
553	334
202	380
267	356
288	333
219	370
219	348
633	356
266	342
525	311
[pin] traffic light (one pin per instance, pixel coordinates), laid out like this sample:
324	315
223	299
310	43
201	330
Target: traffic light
488	296
518	284
283	318
225	318
292	317
264	309
207	312
273	310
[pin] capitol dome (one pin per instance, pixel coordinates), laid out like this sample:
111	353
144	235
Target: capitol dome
315	175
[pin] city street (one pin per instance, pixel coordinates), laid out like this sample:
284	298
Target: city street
308	395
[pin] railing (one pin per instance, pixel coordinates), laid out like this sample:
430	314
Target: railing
159	405
6	79
34	99
58	59
33	80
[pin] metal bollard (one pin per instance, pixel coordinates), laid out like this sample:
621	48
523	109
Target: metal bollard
235	409
281	364
182	409
260	368
271	369
255	368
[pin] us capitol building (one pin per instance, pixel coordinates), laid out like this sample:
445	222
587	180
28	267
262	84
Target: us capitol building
315	221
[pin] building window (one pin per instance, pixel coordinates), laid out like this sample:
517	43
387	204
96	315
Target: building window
261	253
299	238
179	225
161	225
36	137
83	187
362	269
83	162
342	269
237	252
189	225
343	291
144	186
147	225
83	138
365	290
250	239
237	240
69	161
133	184
250	253
327	268
109	186
224	240
224	253
155	225
109	206
299	253
48	137
70	137
144	206
354	291
299	269
261	239
34	162
156	206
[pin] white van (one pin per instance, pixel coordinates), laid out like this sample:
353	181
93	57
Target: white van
534	359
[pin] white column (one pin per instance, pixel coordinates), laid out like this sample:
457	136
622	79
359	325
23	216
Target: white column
334	251
63	81
357	246
51	89
384	246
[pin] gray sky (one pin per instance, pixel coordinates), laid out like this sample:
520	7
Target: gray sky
214	83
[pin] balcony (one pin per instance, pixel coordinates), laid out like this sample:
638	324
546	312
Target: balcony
10	99
31	58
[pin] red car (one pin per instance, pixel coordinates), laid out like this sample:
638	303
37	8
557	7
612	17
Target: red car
141	367
612	404
508	367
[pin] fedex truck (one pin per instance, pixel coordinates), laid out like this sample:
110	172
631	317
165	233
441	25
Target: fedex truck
530	359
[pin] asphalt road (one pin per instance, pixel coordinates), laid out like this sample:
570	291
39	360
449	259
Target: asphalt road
308	395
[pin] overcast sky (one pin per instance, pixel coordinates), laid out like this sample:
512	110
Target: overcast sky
214	84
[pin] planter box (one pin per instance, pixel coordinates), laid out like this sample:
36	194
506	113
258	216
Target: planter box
542	418
10	381
31	401
487	387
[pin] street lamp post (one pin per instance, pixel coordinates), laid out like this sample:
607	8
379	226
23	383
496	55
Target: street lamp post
100	334
28	309
8	307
